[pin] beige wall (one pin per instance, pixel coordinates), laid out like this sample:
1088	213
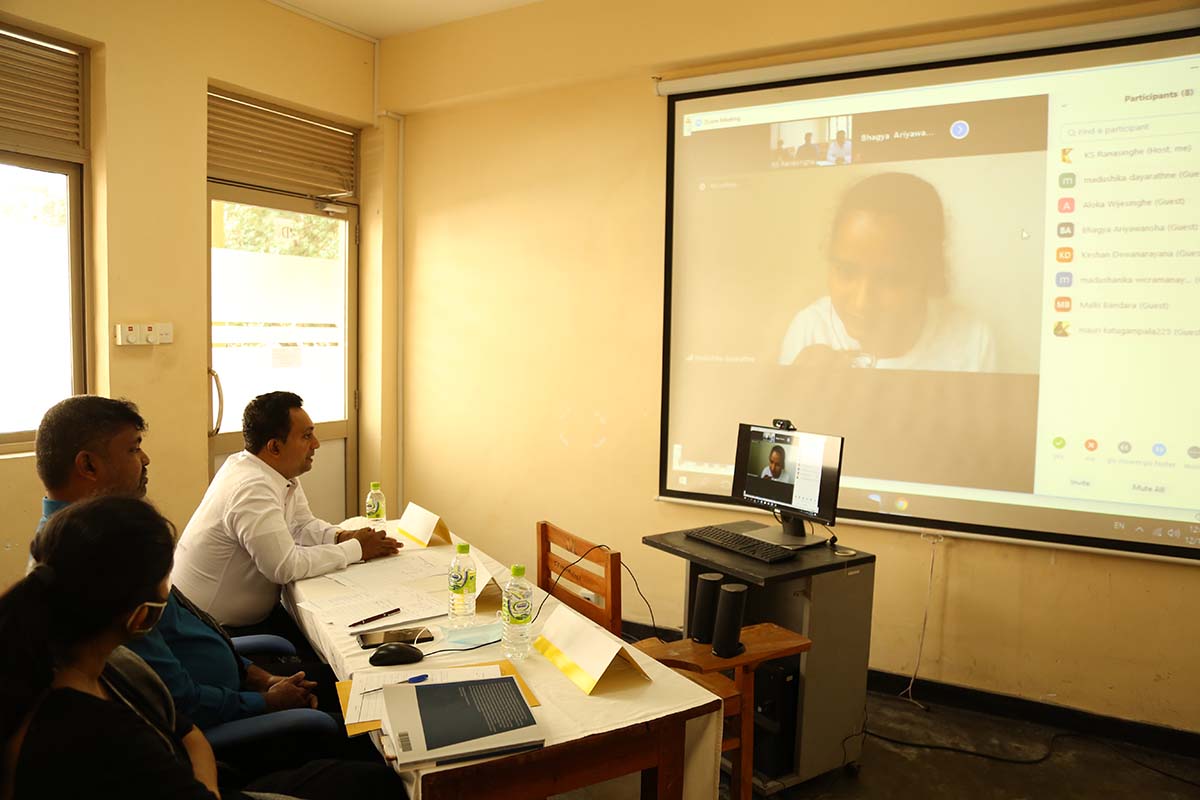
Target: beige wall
152	62
533	225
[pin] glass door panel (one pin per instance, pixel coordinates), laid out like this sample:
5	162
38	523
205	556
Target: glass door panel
281	311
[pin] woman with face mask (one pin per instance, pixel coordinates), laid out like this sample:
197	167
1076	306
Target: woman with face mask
82	716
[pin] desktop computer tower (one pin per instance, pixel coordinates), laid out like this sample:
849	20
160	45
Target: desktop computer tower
775	696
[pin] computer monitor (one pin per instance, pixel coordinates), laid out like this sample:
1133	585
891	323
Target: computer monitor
794	473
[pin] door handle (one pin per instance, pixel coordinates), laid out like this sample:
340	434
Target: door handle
216	379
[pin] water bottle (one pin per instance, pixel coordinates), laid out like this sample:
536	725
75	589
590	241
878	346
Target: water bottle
461	579
517	613
376	503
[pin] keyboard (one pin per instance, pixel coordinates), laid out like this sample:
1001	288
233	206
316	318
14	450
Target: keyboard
743	545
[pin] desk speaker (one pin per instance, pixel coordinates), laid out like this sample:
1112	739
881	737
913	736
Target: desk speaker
704	611
727	630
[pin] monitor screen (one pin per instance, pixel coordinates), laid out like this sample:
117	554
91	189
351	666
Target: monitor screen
792	471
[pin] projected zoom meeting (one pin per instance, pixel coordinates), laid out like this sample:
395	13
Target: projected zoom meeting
941	274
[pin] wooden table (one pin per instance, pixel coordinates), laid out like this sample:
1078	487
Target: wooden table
668	728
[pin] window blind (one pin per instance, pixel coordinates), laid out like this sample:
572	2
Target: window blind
254	145
41	96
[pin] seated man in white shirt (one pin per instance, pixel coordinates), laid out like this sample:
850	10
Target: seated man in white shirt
253	531
887	306
839	151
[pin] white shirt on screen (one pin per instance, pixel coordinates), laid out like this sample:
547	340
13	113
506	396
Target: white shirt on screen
838	151
253	532
951	341
766	473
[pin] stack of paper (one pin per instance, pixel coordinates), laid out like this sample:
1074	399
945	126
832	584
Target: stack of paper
401	605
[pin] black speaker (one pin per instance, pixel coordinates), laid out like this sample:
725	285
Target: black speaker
704	610
727	630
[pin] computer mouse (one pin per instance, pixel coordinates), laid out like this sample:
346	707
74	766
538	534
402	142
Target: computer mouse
392	653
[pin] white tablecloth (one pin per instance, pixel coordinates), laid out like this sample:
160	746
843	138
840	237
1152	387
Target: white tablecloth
566	713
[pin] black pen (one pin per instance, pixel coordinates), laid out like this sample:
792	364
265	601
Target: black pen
374	618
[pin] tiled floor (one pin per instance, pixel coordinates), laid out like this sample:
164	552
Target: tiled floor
1078	769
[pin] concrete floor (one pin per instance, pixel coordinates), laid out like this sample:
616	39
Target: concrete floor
1079	769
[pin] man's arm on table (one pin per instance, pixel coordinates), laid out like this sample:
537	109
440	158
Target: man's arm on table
255	517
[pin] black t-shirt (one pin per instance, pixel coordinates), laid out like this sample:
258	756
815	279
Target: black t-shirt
79	745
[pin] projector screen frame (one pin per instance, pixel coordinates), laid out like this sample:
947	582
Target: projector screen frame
901	521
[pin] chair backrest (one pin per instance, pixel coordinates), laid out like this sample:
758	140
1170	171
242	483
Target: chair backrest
606	585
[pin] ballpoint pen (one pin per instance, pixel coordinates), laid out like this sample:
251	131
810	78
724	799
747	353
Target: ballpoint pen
374	618
414	679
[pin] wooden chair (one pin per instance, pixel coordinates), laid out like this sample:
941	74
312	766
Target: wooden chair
606	586
764	642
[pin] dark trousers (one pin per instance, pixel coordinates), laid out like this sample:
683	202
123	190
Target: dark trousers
278	623
282	752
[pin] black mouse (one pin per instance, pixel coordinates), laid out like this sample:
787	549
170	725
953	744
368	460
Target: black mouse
387	655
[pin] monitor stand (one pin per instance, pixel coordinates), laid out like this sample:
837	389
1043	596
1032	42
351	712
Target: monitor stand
775	533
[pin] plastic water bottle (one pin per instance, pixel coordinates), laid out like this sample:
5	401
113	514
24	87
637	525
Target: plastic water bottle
517	613
376	503
461	580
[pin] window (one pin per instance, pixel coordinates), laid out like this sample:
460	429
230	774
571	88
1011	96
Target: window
41	161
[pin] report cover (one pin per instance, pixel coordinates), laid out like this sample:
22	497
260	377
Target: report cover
447	722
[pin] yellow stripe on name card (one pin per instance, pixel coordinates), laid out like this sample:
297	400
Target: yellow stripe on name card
565	665
410	536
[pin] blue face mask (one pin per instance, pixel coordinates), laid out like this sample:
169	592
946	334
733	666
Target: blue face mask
479	634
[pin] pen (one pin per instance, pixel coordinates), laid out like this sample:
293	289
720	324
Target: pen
413	679
376	617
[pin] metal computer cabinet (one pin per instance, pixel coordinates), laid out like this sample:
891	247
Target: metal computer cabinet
833	608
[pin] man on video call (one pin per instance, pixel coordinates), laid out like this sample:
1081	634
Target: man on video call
810	150
775	463
887	305
839	150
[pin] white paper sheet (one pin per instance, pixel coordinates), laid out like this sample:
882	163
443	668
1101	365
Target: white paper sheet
366	702
410	565
351	607
356	523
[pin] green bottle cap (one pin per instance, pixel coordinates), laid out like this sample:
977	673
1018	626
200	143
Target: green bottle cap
463	547
518	570
374	486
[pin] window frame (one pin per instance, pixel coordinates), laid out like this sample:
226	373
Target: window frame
23	441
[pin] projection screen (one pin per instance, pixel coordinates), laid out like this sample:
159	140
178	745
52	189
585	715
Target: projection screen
985	275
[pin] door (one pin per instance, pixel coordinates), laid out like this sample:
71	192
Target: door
282	316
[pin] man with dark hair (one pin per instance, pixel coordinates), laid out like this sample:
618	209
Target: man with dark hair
253	531
775	463
88	445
